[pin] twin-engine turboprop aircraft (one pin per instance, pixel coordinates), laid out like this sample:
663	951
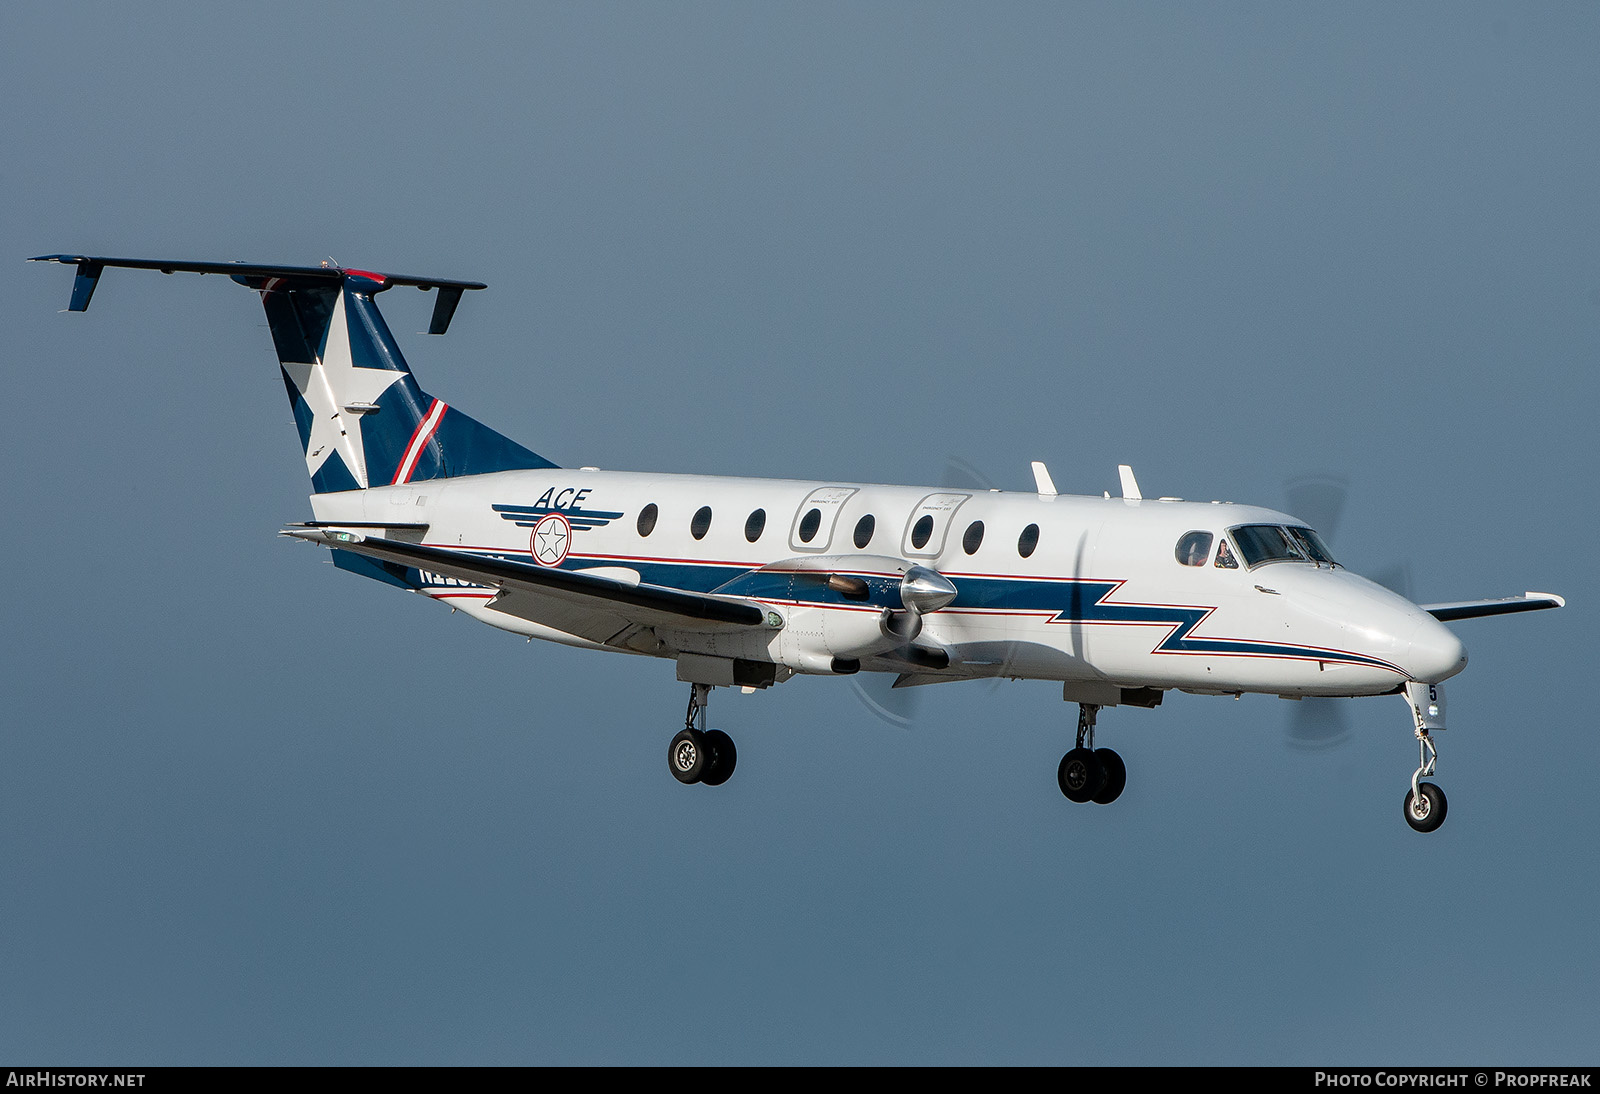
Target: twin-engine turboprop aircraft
746	582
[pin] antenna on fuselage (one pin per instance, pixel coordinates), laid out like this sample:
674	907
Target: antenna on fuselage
1042	482
1130	485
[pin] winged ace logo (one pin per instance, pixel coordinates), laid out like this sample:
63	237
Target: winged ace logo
578	518
550	540
553	518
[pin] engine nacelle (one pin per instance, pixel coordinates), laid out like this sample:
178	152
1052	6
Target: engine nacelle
814	639
829	640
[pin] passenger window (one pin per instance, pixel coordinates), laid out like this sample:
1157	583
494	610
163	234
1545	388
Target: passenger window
974	537
701	524
755	525
809	525
1028	540
1194	548
864	530
647	519
922	531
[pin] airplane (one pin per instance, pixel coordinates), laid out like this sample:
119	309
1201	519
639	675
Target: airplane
746	582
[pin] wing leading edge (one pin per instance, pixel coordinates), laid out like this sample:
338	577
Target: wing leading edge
588	605
1505	605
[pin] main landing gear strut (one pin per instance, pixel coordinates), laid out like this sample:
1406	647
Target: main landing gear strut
1087	773
698	754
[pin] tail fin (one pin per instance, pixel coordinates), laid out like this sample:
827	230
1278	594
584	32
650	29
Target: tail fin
363	419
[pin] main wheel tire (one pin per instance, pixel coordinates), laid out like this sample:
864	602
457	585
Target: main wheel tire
1116	776
688	757
723	757
1425	811
1080	775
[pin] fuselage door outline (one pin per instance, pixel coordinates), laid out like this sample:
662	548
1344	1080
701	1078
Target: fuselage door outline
941	508
829	503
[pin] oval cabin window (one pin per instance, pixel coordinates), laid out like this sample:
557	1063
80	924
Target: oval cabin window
755	525
922	531
974	537
647	519
863	533
809	525
701	524
1028	540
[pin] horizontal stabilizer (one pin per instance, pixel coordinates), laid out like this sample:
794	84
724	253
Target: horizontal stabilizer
1506	605
91	266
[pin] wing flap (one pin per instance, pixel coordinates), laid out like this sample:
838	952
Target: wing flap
595	624
1505	605
568	600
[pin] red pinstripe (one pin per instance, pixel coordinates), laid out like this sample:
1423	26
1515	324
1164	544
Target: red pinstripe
419	437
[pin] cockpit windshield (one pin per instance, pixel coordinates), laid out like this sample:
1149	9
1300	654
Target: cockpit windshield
1311	543
1260	543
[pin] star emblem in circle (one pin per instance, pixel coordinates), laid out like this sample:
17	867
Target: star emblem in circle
551	538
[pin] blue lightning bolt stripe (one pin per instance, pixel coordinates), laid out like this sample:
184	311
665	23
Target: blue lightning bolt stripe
1066	601
1089	602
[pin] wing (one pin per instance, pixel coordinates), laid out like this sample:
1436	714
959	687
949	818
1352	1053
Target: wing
596	607
1472	609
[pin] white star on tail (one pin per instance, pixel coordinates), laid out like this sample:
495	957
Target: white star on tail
330	385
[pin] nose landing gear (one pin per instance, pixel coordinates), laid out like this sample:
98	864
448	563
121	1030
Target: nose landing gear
1425	803
698	754
1089	774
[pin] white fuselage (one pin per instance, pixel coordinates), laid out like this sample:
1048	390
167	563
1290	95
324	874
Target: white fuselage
1101	598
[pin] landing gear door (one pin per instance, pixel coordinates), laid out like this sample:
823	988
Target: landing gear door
812	529
929	524
1427	705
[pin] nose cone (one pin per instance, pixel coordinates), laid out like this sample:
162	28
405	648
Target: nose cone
1436	654
923	590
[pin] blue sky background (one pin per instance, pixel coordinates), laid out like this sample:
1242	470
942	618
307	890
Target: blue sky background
254	810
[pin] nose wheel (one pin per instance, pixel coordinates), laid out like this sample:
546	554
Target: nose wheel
1087	773
698	754
1425	803
1425	807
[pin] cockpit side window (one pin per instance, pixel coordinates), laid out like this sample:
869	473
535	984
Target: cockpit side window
1225	559
1193	548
